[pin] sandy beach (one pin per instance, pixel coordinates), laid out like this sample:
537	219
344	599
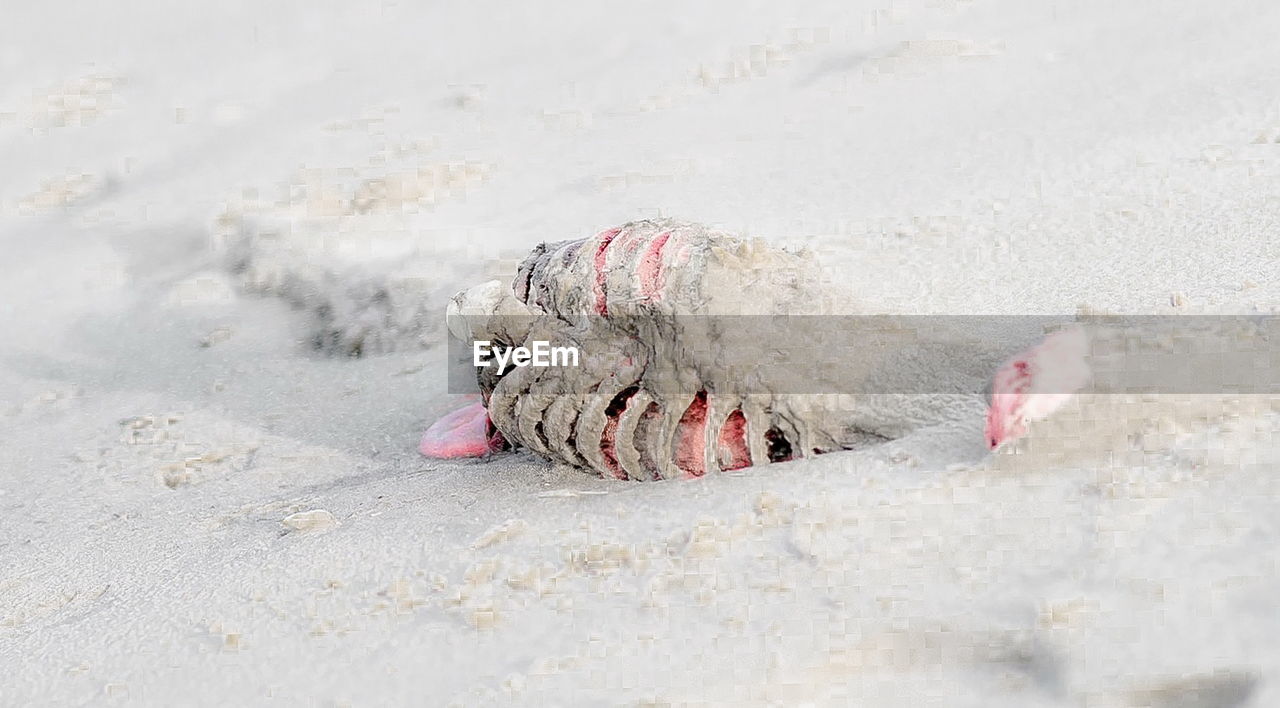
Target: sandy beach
229	234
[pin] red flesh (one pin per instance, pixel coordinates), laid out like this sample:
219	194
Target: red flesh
608	439
597	285
732	451
690	443
650	271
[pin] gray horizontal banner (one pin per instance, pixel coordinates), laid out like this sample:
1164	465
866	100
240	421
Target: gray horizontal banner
812	354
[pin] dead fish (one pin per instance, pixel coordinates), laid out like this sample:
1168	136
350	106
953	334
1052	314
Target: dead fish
665	389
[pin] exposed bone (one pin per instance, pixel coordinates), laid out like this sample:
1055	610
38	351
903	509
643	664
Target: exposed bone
590	430
507	393
673	409
626	443
530	414
593	420
647	440
754	409
559	422
659	268
719	406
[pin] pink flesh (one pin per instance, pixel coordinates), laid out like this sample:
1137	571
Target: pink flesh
1009	394
597	286
650	269
731	448
465	432
609	438
1036	383
689	441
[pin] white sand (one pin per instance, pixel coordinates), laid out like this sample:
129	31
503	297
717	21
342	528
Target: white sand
198	507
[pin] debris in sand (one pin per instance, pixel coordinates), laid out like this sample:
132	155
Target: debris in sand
207	288
312	520
570	493
217	336
64	191
75	103
505	531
